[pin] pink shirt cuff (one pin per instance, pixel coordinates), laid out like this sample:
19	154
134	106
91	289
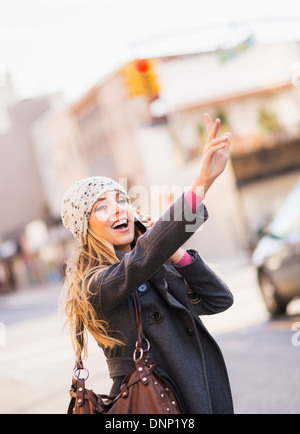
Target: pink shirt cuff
193	200
185	260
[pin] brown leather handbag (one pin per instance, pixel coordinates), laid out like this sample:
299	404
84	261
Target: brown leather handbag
143	391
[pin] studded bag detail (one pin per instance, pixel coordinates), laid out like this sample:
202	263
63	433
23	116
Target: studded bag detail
143	391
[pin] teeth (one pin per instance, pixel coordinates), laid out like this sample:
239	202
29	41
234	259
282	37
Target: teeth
119	223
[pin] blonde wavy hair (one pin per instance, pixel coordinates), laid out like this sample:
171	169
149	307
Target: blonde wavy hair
85	265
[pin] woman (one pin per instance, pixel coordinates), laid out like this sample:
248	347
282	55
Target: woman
175	286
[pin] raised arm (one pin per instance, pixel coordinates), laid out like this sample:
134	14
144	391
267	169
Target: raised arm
214	160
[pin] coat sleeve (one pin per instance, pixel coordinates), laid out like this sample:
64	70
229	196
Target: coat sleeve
116	283
214	294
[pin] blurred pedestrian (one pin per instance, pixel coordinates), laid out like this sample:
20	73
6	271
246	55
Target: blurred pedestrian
116	257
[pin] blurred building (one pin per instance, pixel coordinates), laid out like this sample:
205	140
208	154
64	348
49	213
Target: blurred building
24	210
143	124
46	147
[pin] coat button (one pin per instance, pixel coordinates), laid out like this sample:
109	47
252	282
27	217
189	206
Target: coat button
143	287
189	332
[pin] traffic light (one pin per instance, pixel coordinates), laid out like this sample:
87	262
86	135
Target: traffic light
140	78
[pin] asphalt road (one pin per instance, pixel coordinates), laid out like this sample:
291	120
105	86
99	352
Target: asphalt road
36	357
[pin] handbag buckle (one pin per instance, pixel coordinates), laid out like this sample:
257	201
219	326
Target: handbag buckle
76	373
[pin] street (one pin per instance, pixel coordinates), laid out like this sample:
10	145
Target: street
36	356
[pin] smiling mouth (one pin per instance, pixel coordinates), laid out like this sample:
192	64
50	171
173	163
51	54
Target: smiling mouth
121	225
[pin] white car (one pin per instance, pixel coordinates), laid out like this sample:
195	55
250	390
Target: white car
277	256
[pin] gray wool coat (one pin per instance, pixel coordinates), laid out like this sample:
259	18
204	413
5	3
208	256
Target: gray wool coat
186	355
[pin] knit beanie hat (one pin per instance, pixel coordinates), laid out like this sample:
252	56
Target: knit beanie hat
78	202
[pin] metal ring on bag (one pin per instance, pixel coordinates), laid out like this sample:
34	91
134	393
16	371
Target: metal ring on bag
135	359
140	350
76	373
148	345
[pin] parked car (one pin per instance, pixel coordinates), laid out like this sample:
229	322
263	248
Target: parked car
277	256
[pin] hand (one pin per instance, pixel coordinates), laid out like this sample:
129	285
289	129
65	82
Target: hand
146	219
215	156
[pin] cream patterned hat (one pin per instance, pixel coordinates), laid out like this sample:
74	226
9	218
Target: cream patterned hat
78	202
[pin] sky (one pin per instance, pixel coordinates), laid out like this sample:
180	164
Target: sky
69	45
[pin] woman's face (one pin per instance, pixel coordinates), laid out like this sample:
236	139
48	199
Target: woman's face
112	218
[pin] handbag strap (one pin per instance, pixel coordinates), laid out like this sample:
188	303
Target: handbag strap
138	317
139	350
